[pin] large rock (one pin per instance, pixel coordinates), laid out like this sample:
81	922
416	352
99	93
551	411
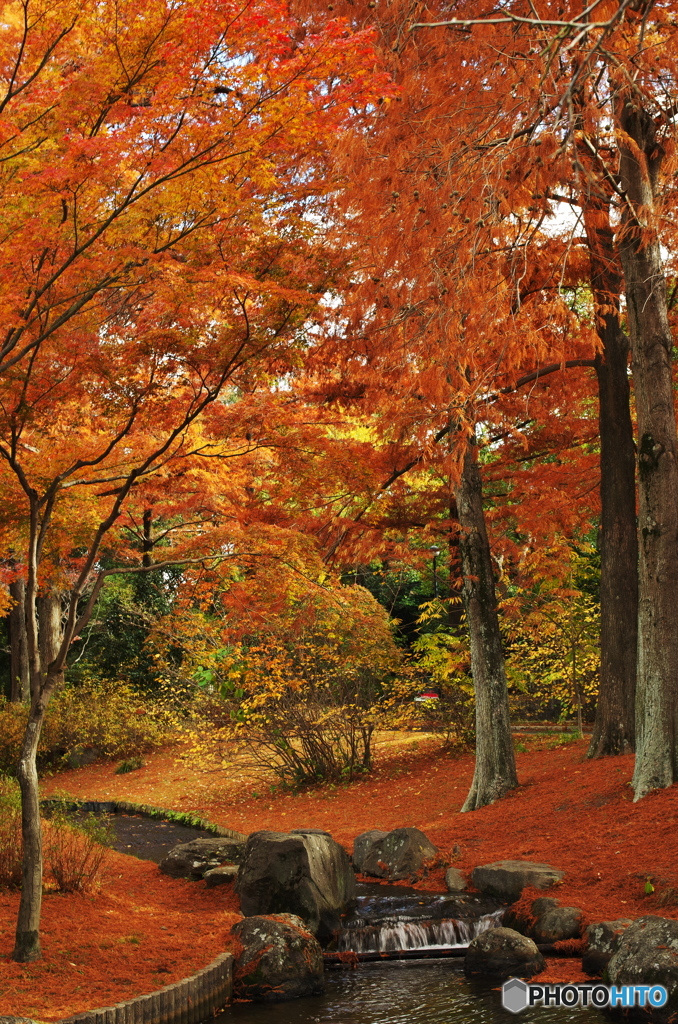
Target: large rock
280	960
647	954
546	921
221	875
362	845
305	873
602	941
402	853
506	879
503	953
195	859
455	880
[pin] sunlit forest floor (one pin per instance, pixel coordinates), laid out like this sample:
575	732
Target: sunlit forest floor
146	930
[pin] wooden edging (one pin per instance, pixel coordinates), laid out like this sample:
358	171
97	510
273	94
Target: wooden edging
186	1002
189	1001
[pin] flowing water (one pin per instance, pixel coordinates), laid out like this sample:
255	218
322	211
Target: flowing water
385	918
424	992
406	992
393	917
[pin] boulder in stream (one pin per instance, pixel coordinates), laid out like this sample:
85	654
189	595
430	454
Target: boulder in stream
280	960
304	873
402	853
195	859
503	953
647	954
506	879
221	876
547	921
362	845
602	942
454	880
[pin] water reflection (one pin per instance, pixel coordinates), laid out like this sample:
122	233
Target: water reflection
429	992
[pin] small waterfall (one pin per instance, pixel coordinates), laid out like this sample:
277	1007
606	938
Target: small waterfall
403	933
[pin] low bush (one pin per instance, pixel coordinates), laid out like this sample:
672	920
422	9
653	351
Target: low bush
109	718
10	833
76	849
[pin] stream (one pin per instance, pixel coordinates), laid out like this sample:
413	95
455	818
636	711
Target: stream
385	918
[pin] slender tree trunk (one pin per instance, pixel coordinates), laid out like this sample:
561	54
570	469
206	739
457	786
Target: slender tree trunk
27	940
148	541
495	770
49	618
18	643
651	343
614	728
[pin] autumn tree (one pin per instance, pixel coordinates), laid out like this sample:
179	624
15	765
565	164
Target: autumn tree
600	90
158	165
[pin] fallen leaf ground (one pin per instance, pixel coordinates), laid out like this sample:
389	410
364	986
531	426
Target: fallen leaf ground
146	930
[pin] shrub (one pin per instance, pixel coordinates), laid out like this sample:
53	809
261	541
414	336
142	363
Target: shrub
131	764
76	849
109	717
10	833
301	705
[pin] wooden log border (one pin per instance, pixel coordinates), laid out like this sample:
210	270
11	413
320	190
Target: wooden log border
190	1001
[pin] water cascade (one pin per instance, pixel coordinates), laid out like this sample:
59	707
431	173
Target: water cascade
388	918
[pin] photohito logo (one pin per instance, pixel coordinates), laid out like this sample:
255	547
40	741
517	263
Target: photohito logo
517	995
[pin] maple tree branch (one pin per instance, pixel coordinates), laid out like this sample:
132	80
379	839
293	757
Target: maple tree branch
584	26
543	372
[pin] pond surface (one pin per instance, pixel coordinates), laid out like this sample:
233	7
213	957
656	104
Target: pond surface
426	992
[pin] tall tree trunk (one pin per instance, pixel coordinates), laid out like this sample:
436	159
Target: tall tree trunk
18	642
651	343
49	618
614	729
495	770
148	542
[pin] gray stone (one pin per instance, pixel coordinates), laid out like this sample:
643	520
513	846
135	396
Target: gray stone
194	859
402	853
557	924
280	960
306	873
362	846
647	954
16	1020
506	879
546	921
503	953
602	940
221	875
454	880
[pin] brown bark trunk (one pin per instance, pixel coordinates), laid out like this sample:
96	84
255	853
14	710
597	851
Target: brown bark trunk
148	541
651	343
18	643
495	770
614	729
27	939
49	619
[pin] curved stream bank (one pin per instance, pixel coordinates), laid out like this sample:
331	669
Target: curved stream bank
393	992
